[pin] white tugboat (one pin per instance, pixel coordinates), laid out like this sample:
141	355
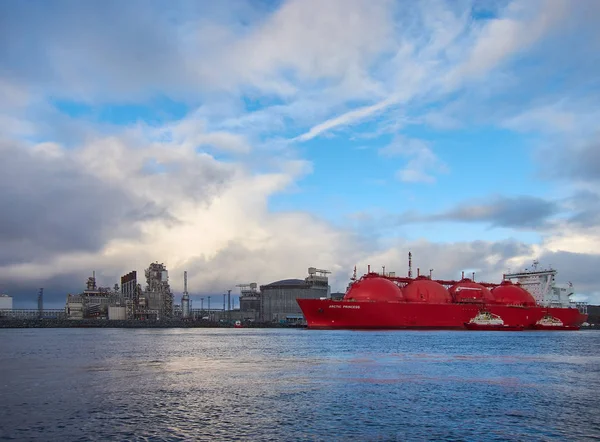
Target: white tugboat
488	321
551	323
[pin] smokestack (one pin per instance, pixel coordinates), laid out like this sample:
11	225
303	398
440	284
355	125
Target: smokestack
41	302
185	282
418	271
462	275
369	268
473	278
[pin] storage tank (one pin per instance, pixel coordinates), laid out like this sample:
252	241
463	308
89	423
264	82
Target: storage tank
185	306
423	289
467	291
508	293
6	302
374	289
116	313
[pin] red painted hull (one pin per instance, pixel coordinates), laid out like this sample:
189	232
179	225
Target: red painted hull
328	314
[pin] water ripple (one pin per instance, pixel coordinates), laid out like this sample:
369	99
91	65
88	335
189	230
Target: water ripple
202	384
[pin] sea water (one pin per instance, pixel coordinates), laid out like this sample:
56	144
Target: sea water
296	384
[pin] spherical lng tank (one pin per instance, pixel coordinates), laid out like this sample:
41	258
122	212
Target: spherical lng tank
467	291
423	289
374	289
508	293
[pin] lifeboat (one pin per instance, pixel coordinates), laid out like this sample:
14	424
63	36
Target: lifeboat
551	323
488	321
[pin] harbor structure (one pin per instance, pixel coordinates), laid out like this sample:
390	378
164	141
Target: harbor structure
278	299
249	301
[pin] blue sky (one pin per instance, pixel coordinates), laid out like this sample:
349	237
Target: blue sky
250	140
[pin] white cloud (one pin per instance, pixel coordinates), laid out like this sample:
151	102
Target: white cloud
423	163
522	25
345	119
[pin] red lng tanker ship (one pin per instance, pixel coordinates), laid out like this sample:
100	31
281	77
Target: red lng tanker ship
384	301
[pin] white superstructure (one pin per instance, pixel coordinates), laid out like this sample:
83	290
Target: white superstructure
542	286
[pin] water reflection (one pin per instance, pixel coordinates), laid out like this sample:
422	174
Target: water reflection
297	385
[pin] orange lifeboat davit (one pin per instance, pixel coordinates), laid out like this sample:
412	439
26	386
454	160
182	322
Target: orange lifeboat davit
423	289
374	289
468	291
508	293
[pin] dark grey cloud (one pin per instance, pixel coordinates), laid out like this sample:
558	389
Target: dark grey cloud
448	259
585	209
520	212
580	163
513	212
25	291
50	206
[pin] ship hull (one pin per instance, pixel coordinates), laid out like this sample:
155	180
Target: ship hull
328	314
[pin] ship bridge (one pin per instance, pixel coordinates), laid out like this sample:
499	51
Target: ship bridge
541	283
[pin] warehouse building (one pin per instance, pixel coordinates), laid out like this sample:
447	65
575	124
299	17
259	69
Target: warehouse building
278	299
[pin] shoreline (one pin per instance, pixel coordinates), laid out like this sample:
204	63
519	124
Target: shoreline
99	323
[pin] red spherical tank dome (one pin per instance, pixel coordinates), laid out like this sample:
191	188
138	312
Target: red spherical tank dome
374	289
468	291
424	289
508	293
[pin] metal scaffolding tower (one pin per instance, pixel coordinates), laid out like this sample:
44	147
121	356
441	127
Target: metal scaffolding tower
157	284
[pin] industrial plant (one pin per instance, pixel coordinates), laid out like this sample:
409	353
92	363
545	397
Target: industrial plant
154	301
129	301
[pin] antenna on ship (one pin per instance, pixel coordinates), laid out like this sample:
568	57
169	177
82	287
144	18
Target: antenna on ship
353	275
383	268
409	264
